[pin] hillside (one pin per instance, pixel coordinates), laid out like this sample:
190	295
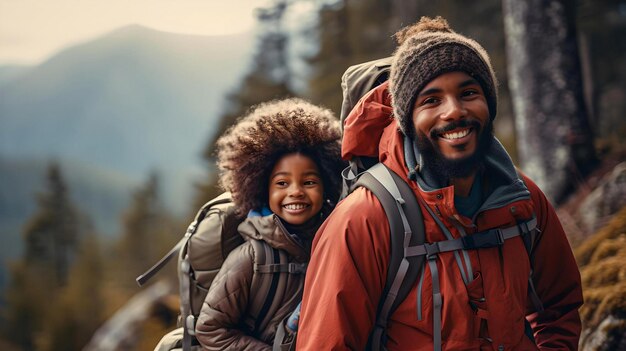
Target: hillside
100	194
10	72
111	110
594	219
132	101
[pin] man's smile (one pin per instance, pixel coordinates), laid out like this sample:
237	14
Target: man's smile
456	134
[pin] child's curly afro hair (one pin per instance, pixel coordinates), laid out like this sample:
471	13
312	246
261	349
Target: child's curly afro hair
247	152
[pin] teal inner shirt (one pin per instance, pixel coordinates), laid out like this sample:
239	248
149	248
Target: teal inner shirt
468	205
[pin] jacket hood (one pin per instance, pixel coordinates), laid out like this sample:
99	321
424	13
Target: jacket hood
272	230
372	120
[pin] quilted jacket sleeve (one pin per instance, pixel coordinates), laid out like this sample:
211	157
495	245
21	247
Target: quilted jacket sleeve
557	280
220	320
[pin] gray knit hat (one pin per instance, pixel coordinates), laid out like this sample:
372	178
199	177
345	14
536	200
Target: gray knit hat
426	50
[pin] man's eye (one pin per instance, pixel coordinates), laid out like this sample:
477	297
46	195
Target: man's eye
429	100
470	92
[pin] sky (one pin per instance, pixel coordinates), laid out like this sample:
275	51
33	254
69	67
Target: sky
33	30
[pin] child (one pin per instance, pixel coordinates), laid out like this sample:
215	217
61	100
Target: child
282	165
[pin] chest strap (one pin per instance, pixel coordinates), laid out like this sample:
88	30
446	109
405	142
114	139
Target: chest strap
480	240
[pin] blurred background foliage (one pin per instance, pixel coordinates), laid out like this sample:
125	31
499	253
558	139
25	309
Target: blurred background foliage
70	280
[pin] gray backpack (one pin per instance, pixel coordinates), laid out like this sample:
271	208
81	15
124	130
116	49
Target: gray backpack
201	252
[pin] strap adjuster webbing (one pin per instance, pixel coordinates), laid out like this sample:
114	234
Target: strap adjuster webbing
295	268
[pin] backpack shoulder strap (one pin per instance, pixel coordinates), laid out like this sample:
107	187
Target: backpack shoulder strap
264	286
271	269
397	200
530	237
529	243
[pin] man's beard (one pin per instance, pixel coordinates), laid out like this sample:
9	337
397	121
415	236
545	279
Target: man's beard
445	168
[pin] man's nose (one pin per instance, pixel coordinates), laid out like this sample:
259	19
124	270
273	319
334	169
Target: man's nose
453	108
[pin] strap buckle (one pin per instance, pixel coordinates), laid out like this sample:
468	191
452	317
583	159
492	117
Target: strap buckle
191	229
190	324
499	237
432	250
185	267
523	228
299	268
491	238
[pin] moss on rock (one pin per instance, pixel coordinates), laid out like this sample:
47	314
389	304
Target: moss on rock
602	262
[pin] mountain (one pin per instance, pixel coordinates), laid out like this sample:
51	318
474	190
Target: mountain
100	193
10	72
110	111
133	101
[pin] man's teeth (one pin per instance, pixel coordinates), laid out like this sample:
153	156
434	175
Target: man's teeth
295	206
456	135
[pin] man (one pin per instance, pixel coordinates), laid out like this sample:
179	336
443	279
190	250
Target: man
443	93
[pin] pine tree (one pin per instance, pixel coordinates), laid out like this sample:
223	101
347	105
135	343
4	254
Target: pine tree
26	298
51	238
79	311
348	32
52	235
148	234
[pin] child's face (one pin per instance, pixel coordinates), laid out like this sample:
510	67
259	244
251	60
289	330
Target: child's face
296	192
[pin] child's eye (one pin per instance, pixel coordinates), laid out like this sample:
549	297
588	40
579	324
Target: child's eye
311	182
281	183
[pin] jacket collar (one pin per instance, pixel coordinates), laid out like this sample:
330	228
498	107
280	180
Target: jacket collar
272	230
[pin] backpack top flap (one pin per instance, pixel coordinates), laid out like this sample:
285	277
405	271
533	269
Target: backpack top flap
359	79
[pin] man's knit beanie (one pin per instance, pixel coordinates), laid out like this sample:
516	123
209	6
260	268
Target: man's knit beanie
426	50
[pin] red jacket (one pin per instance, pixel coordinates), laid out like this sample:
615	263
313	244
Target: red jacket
348	268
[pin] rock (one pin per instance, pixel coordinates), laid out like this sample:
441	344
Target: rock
607	337
605	200
120	331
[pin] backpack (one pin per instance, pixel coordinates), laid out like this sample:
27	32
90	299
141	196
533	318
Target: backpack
409	251
359	79
201	252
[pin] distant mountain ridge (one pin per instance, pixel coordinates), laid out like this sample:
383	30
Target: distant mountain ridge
133	100
111	110
10	72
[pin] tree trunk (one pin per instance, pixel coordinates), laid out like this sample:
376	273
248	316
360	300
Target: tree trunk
555	142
